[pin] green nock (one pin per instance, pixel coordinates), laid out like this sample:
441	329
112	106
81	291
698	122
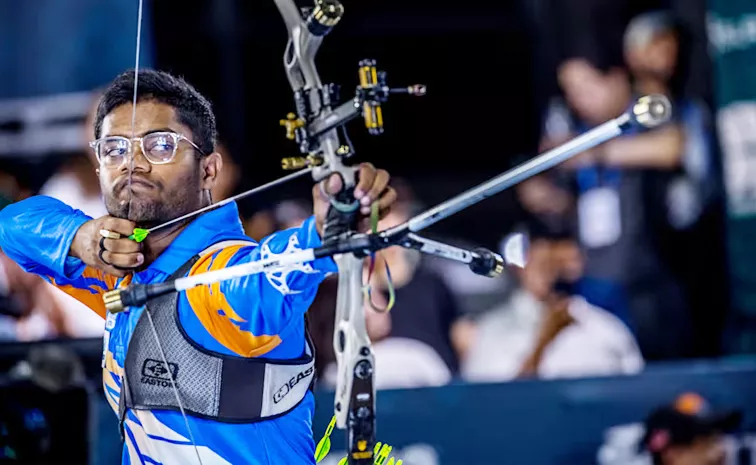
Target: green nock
139	234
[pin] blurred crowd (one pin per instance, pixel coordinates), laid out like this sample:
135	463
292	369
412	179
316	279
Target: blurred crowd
612	280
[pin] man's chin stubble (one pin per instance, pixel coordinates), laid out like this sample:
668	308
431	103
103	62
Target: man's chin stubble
143	214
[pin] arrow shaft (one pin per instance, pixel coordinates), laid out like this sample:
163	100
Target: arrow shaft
255	190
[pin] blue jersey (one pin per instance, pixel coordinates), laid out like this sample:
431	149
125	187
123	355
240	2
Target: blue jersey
257	315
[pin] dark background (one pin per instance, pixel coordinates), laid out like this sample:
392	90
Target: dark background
488	66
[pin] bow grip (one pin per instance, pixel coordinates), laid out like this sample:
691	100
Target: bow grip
342	216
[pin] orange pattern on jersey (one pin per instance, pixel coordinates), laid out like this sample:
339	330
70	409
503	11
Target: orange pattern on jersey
208	302
93	300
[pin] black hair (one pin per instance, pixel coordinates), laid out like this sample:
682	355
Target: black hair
548	228
193	110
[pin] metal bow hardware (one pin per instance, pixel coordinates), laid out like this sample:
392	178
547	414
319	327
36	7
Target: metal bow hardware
315	127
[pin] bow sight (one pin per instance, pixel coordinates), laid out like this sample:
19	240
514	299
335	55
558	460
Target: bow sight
306	126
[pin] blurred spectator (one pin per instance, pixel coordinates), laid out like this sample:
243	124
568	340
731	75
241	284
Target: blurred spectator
291	213
657	52
284	215
28	310
617	194
419	342
546	329
228	179
259	224
688	432
76	183
11	190
653	43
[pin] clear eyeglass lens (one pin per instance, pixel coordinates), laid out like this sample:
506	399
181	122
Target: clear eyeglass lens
159	147
112	149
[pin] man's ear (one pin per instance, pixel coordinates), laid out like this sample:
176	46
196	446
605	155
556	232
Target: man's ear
211	167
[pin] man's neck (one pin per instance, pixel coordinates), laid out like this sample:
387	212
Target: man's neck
156	242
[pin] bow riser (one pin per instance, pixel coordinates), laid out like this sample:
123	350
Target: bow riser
354	402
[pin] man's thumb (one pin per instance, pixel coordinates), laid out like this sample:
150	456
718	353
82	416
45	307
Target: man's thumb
334	184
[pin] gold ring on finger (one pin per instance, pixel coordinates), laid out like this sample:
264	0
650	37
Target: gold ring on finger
109	234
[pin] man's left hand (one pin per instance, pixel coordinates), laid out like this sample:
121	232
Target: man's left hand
372	186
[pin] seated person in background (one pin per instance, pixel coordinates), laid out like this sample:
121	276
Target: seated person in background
687	432
28	309
617	195
418	342
546	329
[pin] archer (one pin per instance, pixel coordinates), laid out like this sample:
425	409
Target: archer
210	390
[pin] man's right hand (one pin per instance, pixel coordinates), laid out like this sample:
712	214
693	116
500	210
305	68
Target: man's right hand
116	257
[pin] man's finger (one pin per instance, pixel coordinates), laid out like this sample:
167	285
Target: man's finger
387	199
122	245
123	260
380	183
121	226
367	176
384	202
115	271
334	184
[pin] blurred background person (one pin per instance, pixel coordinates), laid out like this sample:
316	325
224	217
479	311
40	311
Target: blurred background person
546	329
28	310
616	194
420	340
228	180
657	52
291	213
688	432
76	183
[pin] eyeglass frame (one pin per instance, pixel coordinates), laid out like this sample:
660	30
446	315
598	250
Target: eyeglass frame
176	138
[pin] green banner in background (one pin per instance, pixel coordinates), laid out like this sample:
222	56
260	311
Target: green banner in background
732	43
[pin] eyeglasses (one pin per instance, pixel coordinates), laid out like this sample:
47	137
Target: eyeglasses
158	148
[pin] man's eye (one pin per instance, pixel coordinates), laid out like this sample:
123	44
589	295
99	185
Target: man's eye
115	151
161	144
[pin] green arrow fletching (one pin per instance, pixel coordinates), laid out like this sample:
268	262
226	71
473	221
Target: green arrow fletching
139	234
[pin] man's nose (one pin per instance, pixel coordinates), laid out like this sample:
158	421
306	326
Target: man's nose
140	162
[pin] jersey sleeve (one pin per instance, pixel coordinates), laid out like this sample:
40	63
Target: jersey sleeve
247	315
37	233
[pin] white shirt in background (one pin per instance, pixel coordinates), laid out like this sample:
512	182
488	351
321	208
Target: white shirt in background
401	363
67	188
81	321
596	344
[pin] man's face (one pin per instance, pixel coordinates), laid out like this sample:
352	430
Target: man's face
157	193
708	450
658	58
542	269
593	95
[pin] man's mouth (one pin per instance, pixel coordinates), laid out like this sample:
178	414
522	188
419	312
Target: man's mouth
140	183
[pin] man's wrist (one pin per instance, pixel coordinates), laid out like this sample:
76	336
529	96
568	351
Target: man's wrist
73	250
